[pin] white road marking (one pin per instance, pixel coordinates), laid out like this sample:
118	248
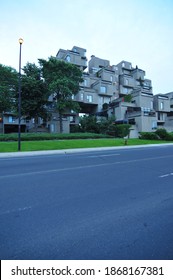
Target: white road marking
81	167
166	175
16	210
96	156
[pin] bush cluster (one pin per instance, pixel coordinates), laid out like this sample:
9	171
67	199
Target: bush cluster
48	136
89	128
103	126
159	134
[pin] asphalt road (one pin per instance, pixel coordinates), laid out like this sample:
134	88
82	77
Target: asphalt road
115	204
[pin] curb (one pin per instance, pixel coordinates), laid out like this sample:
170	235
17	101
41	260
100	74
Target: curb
78	150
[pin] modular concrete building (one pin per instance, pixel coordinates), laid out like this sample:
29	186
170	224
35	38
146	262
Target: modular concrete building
124	89
118	90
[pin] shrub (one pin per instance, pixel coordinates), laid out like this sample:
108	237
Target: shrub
74	128
169	137
48	136
162	133
106	126
149	136
122	130
89	124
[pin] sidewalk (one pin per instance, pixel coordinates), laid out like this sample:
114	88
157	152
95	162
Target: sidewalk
79	150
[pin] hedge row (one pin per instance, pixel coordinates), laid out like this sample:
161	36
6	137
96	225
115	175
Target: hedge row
48	136
159	134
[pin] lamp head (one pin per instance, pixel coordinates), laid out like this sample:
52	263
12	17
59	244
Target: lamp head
20	41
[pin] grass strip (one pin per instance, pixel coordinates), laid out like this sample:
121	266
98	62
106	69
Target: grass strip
71	144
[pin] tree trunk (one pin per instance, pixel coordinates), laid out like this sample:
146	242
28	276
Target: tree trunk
60	122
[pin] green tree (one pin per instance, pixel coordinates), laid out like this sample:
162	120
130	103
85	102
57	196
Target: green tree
122	130
128	98
89	124
103	125
8	87
107	126
34	93
63	81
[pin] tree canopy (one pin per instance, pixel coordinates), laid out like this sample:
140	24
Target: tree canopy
8	87
34	93
63	80
52	76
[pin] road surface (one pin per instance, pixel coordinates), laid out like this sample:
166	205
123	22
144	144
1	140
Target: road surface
115	204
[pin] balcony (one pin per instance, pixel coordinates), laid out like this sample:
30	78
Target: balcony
160	122
140	111
106	90
133	112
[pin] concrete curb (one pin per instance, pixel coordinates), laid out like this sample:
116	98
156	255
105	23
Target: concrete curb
79	150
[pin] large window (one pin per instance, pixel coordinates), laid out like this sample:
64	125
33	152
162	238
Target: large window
161	105
154	125
102	89
85	82
11	119
160	116
68	58
125	90
89	98
126	82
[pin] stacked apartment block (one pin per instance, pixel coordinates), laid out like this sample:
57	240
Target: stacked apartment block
121	91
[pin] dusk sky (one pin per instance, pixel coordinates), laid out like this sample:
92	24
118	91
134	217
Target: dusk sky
138	31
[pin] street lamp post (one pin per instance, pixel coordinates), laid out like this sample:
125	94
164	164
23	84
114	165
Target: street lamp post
19	102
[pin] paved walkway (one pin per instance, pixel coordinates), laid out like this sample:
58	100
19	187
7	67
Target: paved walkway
79	150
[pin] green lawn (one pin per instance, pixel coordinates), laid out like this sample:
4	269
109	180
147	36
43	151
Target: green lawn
71	144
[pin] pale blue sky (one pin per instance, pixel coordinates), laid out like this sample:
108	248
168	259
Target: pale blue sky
139	31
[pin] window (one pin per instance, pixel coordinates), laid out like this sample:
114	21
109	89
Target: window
154	125
102	99
102	89
85	83
125	90
145	111
68	58
115	68
11	119
89	98
123	64
72	119
111	78
152	105
160	116
126	82
161	105
82	96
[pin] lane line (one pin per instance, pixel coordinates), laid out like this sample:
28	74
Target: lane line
166	175
97	156
15	210
80	167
